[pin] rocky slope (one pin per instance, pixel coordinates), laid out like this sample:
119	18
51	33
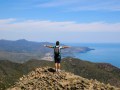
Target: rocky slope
47	79
10	72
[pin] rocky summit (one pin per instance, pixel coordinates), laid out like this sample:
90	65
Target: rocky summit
47	79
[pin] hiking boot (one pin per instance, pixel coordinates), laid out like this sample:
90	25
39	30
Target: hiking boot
56	70
59	70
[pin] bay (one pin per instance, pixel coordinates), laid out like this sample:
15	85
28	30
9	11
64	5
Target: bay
103	53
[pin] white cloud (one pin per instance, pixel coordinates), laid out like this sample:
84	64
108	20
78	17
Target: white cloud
56	3
106	5
4	21
78	5
52	26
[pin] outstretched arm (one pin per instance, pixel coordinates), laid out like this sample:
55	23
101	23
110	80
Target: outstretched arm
65	47
49	46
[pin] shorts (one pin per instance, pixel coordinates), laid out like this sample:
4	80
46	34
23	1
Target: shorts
57	59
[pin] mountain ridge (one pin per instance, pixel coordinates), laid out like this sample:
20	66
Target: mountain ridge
47	79
10	72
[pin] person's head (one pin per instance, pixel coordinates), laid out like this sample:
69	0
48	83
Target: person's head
57	43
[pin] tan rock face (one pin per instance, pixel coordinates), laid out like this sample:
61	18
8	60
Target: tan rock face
47	79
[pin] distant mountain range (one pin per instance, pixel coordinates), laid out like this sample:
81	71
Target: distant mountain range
23	50
10	72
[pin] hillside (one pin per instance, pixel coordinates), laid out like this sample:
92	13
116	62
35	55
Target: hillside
47	79
10	72
23	50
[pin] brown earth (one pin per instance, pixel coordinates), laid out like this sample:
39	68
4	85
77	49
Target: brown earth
47	79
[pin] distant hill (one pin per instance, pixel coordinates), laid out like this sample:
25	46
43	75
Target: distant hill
10	72
47	79
23	50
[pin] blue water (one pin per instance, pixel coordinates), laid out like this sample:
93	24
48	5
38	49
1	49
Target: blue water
106	53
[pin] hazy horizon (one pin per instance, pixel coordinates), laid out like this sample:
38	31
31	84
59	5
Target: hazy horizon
65	42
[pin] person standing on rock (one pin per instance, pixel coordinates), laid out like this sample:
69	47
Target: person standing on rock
57	54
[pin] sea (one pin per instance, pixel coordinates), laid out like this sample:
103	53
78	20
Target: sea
102	53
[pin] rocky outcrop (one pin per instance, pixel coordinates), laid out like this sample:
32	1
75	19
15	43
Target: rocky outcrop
47	79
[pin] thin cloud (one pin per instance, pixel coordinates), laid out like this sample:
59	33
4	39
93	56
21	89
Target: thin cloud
52	26
57	3
94	6
78	5
3	21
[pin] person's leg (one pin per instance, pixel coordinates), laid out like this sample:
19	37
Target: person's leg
56	67
59	60
55	63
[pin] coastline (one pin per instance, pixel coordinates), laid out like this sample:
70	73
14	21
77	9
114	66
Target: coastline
102	53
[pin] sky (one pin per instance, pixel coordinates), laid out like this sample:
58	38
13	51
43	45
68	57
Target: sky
69	21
